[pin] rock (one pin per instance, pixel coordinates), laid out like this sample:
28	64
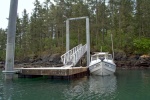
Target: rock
17	62
120	63
120	56
2	64
143	61
55	58
122	60
132	60
45	58
26	60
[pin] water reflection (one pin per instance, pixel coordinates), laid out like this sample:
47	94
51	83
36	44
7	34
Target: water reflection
96	87
91	88
106	84
1	86
127	85
6	88
75	90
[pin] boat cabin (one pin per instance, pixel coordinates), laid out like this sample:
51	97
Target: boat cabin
101	55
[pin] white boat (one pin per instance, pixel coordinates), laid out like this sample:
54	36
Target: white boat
102	64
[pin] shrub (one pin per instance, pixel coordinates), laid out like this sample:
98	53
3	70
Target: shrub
142	45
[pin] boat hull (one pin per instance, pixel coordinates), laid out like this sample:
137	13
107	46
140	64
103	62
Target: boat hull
102	68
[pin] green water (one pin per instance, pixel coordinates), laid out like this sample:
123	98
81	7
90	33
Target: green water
124	85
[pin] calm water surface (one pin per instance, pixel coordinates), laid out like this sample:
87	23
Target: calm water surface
124	85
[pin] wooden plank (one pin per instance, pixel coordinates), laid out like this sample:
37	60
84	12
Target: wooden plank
52	71
55	72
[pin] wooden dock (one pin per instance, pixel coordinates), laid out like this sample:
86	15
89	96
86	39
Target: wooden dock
62	72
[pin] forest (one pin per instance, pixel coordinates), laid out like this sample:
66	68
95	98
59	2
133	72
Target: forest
44	30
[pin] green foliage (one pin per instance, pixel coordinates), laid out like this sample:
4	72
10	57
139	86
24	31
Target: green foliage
44	30
2	55
2	44
142	45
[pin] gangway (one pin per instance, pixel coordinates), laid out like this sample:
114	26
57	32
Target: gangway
72	56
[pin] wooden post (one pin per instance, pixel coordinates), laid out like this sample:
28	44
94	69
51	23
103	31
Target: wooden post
88	40
67	35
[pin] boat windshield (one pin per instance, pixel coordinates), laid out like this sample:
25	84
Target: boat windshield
110	56
98	56
101	56
93	57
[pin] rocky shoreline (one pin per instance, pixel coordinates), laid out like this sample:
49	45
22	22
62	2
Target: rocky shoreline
122	60
130	61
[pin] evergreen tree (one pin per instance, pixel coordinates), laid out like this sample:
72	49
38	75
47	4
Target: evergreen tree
2	44
36	28
45	29
26	38
18	39
142	21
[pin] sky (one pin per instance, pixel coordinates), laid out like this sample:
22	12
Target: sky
22	4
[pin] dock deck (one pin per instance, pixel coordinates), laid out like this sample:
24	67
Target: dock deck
53	71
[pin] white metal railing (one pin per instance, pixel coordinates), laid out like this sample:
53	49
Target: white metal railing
72	56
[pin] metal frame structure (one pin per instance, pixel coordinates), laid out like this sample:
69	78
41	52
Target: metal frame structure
87	35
